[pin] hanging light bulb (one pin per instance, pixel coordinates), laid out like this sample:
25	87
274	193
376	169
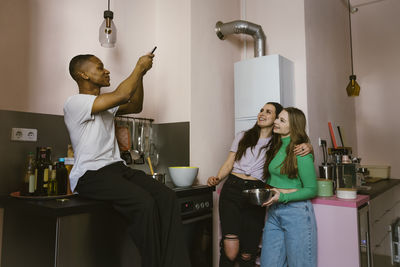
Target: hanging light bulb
108	31
353	89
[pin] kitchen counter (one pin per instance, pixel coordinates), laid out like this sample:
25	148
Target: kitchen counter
379	187
56	207
341	224
63	233
76	204
363	196
335	201
338	232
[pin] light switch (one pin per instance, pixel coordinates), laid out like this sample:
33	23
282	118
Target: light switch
23	134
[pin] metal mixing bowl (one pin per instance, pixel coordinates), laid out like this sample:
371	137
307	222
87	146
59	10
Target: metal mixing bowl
257	196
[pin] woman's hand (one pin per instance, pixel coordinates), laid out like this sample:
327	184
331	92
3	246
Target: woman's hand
273	199
213	180
302	149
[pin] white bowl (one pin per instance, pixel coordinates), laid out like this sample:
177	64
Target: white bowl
346	193
183	176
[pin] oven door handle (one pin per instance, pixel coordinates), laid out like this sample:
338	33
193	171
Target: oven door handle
196	219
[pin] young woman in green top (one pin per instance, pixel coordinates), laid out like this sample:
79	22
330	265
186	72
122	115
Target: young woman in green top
290	233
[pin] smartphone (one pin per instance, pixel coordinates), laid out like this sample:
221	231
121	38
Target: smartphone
154	49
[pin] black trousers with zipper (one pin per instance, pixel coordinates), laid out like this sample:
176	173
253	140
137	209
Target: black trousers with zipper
150	208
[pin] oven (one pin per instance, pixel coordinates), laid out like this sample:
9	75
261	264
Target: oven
90	233
196	204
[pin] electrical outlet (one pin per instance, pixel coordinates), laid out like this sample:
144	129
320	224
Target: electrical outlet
321	141
23	134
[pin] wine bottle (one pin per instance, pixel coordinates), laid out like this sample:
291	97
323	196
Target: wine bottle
47	171
62	177
52	189
35	169
40	173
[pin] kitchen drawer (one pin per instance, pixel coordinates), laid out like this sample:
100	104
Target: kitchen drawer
396	196
380	240
384	208
381	205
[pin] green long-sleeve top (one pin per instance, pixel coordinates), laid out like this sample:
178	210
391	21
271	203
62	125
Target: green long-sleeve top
305	182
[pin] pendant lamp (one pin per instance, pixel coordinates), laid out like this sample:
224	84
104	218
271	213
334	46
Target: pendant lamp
353	89
107	31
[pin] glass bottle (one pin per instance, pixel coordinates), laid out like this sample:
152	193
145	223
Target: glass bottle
47	171
28	186
38	148
52	189
40	172
62	177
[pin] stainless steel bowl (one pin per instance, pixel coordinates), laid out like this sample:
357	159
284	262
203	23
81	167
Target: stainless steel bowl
257	196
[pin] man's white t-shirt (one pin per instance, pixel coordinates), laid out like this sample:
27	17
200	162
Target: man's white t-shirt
92	136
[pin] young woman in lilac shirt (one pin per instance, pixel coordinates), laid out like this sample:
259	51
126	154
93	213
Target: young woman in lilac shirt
241	222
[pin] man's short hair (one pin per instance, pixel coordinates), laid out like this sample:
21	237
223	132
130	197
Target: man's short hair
76	63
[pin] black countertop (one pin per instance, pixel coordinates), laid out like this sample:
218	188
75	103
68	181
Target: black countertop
379	187
189	191
76	204
55	207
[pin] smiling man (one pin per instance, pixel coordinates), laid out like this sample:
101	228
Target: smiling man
99	173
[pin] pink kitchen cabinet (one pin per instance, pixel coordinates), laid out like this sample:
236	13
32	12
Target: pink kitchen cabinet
343	231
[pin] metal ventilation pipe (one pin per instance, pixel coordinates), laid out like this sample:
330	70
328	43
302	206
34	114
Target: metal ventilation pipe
242	26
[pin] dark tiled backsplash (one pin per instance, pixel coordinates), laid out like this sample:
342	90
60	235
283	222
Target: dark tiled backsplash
172	141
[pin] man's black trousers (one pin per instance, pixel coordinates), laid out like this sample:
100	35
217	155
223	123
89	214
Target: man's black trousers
149	207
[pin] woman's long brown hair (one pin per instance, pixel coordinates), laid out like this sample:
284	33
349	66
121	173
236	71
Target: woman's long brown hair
251	136
298	135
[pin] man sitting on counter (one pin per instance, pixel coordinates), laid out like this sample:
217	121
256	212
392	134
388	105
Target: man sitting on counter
99	173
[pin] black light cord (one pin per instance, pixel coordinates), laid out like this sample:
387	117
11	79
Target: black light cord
108	5
351	39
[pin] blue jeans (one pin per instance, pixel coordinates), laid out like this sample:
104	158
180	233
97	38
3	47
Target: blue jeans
290	236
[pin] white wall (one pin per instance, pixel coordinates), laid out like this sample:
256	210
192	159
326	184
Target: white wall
212	109
376	42
45	34
314	35
328	70
212	68
192	77
171	89
283	24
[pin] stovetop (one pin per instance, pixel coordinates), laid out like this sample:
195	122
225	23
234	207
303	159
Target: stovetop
190	191
194	201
